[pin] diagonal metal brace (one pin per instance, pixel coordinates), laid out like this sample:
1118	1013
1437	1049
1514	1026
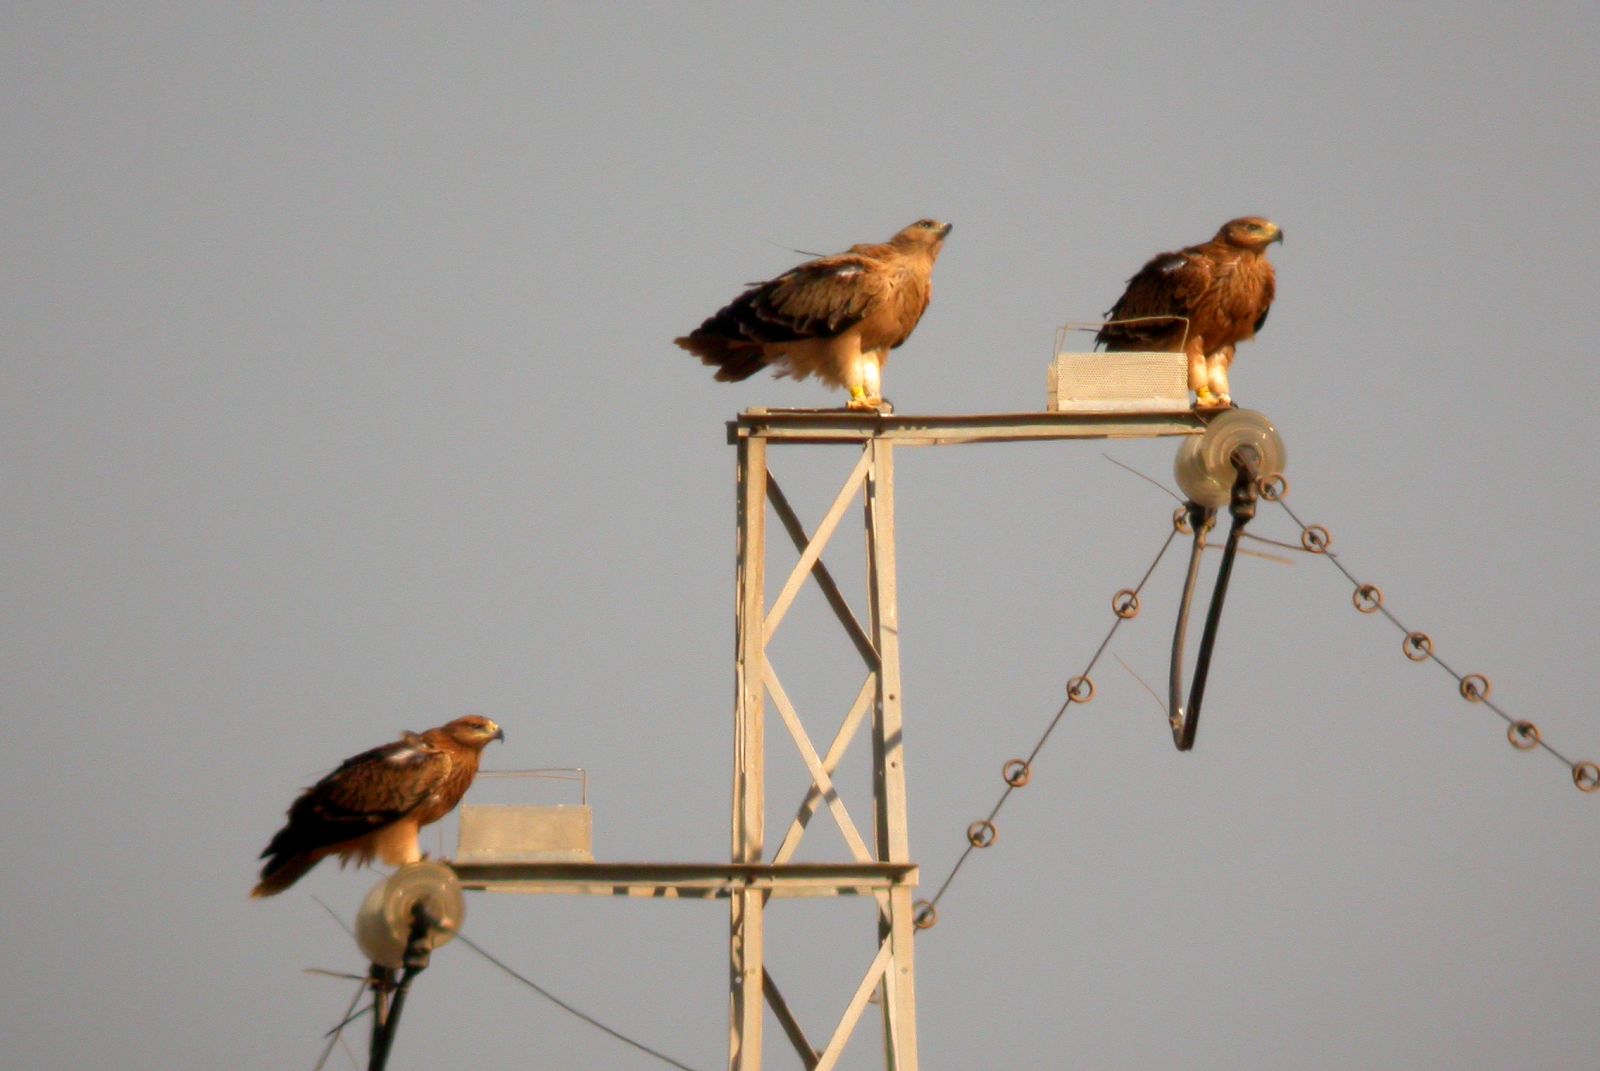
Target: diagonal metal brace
819	571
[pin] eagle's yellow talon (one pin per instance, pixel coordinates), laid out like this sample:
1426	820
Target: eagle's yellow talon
860	401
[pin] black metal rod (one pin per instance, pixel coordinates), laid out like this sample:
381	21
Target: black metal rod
384	1040
416	961
381	981
1242	506
1200	519
1208	640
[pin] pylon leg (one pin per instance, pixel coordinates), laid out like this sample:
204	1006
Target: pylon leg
746	921
889	771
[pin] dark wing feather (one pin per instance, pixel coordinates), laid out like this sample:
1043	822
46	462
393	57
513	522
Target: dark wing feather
823	298
366	793
818	299
1169	286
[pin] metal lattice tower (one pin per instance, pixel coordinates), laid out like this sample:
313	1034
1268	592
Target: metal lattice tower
879	866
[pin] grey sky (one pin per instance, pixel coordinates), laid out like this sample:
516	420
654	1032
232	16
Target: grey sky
339	398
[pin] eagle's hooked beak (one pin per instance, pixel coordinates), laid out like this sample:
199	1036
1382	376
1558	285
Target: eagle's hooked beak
945	232
1278	237
499	734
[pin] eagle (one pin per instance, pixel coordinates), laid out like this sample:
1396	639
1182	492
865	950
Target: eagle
1202	300
374	804
836	317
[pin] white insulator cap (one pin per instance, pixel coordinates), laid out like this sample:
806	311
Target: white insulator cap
1204	467
383	925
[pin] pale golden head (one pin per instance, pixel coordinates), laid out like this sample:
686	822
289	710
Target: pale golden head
1254	233
926	234
474	731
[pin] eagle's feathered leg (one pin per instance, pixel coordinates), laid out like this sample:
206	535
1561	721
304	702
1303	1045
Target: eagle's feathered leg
1199	373
1217	373
872	378
399	844
862	378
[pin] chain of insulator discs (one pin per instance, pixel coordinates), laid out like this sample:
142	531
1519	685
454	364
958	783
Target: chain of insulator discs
1368	599
1418	646
1018	772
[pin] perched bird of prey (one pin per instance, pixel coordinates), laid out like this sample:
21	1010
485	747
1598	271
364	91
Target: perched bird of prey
836	317
1202	300
375	802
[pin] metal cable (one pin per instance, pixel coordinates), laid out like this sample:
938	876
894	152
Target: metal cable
336	1035
927	909
1472	686
568	1008
352	1015
1151	480
1276	543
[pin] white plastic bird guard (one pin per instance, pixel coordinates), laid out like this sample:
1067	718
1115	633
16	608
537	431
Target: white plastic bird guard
524	832
1137	382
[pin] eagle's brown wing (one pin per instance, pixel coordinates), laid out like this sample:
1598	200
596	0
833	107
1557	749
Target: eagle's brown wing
825	297
365	795
1163	297
819	299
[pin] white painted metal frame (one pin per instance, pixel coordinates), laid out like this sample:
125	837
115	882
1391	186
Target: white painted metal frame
872	477
892	967
882	867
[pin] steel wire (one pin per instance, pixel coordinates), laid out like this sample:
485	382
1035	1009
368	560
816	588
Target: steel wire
568	1008
335	1035
1432	655
928	909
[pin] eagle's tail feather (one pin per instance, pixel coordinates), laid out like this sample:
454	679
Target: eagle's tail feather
283	871
733	360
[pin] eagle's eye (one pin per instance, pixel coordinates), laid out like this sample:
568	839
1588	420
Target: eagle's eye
926	224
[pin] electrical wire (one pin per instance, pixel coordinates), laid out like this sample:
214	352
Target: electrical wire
568	1008
1473	687
1160	703
336	1035
929	908
1277	543
1147	479
1523	734
1170	493
1585	774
